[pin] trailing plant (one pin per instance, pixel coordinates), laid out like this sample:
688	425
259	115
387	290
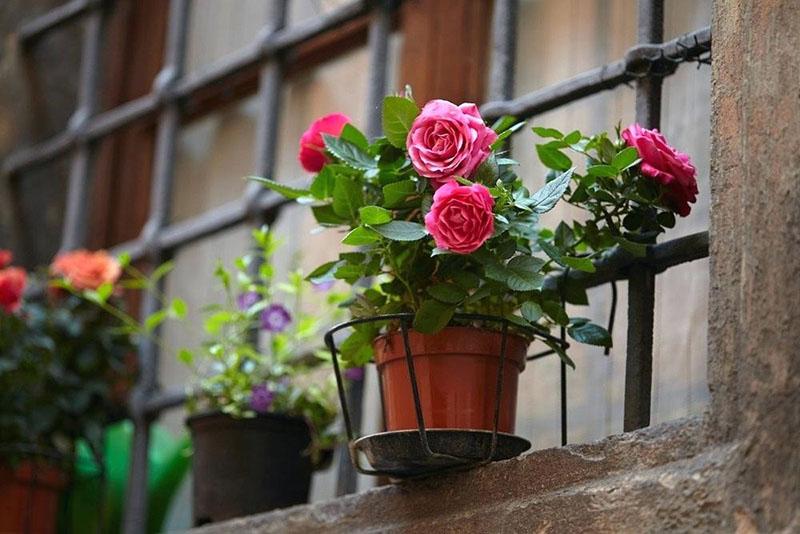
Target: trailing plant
441	222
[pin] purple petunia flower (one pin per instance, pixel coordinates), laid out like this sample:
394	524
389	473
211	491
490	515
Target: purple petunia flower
323	286
245	300
275	318
354	373
261	398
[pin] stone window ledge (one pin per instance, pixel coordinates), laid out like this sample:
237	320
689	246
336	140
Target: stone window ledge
664	477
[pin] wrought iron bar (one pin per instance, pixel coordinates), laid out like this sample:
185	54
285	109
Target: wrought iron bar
640	61
135	520
504	47
31	31
642	277
76	215
283	42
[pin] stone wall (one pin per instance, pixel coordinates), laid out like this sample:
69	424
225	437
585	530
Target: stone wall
738	468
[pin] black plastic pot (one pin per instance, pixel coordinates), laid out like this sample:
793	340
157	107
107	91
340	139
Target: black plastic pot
247	466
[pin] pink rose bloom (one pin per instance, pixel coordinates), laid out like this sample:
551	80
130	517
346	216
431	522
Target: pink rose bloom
665	165
446	140
461	217
5	258
12	286
312	147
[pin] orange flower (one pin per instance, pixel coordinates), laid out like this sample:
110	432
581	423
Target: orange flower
12	285
5	258
86	270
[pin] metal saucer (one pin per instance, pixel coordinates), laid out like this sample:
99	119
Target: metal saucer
400	454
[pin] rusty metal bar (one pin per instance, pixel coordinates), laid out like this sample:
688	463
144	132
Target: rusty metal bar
135	520
76	214
29	32
639	61
504	49
642	277
281	43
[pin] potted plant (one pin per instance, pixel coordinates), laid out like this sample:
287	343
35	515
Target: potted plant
58	354
261	418
445	228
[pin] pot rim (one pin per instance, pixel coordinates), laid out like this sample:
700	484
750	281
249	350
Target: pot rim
454	327
208	414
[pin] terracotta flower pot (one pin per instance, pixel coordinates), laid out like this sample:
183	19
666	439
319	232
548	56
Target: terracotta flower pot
247	466
456	372
29	496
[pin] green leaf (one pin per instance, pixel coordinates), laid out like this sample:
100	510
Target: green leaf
348	196
523	273
590	333
323	184
545	198
607	171
154	319
432	316
531	311
162	271
178	308
547	132
105	291
395	194
502	136
398	115
322	272
374	215
637	249
353	135
186	356
361	235
625	158
447	293
555	311
466	279
348	153
325	215
572	137
553	158
581	264
357	348
282	189
124	259
401	231
666	219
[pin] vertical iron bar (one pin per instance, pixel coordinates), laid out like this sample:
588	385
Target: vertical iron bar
504	46
75	217
563	375
378	43
135	519
641	279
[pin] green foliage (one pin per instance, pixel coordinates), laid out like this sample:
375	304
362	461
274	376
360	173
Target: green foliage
234	357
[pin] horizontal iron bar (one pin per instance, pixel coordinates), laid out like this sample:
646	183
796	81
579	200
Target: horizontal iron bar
103	124
213	221
660	257
689	47
165	400
36	28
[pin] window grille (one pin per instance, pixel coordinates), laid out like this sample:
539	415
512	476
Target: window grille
644	65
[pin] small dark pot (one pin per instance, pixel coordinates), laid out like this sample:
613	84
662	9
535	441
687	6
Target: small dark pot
247	466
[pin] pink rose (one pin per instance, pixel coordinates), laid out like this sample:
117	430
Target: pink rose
312	147
12	286
5	258
446	140
461	217
665	165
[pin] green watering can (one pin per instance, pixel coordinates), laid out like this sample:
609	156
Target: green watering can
85	505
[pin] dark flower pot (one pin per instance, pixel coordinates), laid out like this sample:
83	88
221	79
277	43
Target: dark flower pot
456	372
247	466
29	496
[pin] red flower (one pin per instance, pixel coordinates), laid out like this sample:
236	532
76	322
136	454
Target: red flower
86	270
12	285
665	165
461	217
312	147
5	258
